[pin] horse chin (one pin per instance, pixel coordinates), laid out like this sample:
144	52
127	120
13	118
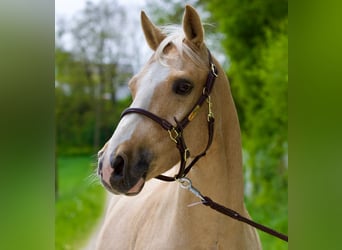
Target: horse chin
136	188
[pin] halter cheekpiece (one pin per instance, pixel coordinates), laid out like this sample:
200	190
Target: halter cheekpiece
176	132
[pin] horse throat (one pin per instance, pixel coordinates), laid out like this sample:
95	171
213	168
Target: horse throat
219	174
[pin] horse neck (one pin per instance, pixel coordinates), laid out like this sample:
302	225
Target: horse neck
219	174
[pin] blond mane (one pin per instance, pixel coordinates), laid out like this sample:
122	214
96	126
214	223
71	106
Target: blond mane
176	36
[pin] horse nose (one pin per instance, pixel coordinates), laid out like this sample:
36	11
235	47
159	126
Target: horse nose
117	163
124	173
112	169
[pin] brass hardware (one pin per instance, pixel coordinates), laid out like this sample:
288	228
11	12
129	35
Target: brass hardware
214	70
193	113
173	135
210	111
186	152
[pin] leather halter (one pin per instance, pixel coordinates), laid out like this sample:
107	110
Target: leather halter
176	132
176	135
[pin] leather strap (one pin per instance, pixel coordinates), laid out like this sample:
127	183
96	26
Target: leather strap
162	122
235	215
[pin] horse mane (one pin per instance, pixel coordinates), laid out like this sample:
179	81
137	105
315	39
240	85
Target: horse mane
176	36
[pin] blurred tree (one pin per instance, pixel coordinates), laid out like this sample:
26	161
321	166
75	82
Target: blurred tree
88	75
167	12
95	31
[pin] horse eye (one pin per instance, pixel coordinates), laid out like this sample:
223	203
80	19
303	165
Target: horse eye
182	87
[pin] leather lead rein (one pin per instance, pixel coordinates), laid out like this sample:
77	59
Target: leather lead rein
205	200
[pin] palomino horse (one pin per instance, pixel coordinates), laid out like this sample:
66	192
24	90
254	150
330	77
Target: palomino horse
170	94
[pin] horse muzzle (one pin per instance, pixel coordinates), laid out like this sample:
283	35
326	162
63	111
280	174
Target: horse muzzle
123	173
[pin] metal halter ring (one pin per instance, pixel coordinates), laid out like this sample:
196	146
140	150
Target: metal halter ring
214	69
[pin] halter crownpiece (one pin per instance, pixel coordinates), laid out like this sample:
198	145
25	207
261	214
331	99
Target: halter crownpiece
176	132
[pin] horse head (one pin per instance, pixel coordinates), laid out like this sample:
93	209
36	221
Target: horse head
168	87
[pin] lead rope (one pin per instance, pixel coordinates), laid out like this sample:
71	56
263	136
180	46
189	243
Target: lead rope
186	184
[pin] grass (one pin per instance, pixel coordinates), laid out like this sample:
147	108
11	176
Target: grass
80	202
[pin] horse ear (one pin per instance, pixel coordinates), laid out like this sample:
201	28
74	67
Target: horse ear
153	34
192	26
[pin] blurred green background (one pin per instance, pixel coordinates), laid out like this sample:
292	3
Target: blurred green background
94	60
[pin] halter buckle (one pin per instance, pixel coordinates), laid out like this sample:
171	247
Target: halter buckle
186	154
210	111
173	133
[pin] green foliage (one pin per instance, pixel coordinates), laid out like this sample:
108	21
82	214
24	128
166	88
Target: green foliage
270	132
256	41
76	107
80	202
75	122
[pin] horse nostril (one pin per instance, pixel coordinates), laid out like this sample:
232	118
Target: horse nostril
118	165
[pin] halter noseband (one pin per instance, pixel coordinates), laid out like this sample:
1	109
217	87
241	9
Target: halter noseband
176	132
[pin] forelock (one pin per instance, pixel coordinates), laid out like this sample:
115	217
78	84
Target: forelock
176	36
